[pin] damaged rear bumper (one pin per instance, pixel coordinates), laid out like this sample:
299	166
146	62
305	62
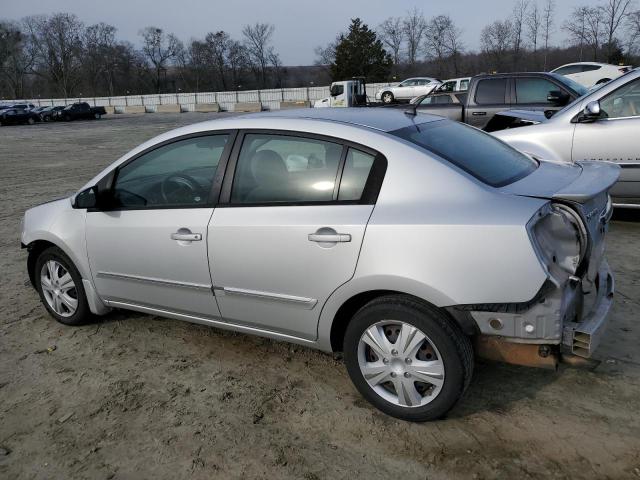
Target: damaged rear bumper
573	316
582	338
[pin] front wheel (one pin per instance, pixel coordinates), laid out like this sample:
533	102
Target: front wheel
96	116
60	287
387	97
31	121
407	358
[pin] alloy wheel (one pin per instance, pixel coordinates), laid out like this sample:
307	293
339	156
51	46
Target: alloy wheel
400	363
58	288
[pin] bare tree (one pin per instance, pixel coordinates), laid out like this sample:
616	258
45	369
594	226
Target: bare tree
197	62
414	27
238	60
632	32
159	48
278	71
257	38
547	27
16	58
392	34
594	30
496	39
99	41
453	39
442	41
533	23
218	50
576	27
57	43
518	18
614	13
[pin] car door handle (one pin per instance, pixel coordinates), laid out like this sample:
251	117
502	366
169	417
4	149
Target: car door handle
186	237
478	114
329	237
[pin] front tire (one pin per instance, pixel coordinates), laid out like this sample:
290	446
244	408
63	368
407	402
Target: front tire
31	121
407	358
387	97
59	285
96	116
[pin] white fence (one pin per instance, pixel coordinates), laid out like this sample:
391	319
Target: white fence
270	99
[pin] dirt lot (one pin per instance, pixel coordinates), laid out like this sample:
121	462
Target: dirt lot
137	396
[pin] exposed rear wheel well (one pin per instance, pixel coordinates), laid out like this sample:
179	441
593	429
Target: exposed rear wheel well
35	248
348	309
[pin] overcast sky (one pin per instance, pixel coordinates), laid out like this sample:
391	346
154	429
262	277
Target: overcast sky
301	25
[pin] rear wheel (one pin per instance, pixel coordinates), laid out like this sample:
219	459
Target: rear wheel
60	287
31	121
387	97
96	116
407	358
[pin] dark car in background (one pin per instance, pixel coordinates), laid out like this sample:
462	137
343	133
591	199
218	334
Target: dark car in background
16	116
47	113
80	111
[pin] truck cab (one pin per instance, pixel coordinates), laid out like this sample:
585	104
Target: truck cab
347	93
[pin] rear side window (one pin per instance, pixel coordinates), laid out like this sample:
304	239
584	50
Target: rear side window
590	68
491	91
285	169
533	90
464	84
568	70
483	156
357	168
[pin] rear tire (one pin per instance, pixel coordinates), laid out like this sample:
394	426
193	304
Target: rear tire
96	116
31	121
59	285
421	364
387	97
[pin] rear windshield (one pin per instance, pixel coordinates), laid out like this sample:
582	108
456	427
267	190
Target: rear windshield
483	156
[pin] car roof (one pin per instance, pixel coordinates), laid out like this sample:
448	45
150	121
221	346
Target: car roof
586	63
377	118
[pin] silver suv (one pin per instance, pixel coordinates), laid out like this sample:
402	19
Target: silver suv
396	239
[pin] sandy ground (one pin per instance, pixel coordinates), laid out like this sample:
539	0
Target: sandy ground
137	396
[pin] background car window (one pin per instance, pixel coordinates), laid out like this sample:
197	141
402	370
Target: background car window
533	90
491	91
568	70
427	101
624	102
356	171
180	173
447	87
443	99
407	83
464	84
279	168
590	68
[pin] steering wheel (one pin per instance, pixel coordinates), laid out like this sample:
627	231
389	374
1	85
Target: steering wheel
185	187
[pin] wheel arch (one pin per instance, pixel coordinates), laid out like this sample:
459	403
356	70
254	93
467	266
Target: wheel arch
333	337
34	250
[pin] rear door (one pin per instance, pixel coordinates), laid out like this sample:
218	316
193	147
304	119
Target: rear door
490	97
288	228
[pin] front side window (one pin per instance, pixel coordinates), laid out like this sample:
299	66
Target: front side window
177	174
285	169
590	68
447	87
623	102
533	90
568	70
407	83
491	91
478	153
464	84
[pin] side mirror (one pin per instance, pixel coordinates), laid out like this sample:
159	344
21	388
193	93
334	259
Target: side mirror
87	198
591	112
558	97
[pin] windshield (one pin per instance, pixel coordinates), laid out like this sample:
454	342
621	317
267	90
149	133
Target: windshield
572	84
483	156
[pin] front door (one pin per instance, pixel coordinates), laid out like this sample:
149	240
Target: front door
290	229
150	249
490	98
614	138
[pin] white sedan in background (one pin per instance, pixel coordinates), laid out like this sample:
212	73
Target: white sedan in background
591	73
408	89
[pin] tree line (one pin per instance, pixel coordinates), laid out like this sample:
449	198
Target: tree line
525	39
58	55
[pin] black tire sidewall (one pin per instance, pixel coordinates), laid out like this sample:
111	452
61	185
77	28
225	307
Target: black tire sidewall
388	95
454	382
83	313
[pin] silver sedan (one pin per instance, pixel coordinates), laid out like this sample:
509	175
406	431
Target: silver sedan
399	240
